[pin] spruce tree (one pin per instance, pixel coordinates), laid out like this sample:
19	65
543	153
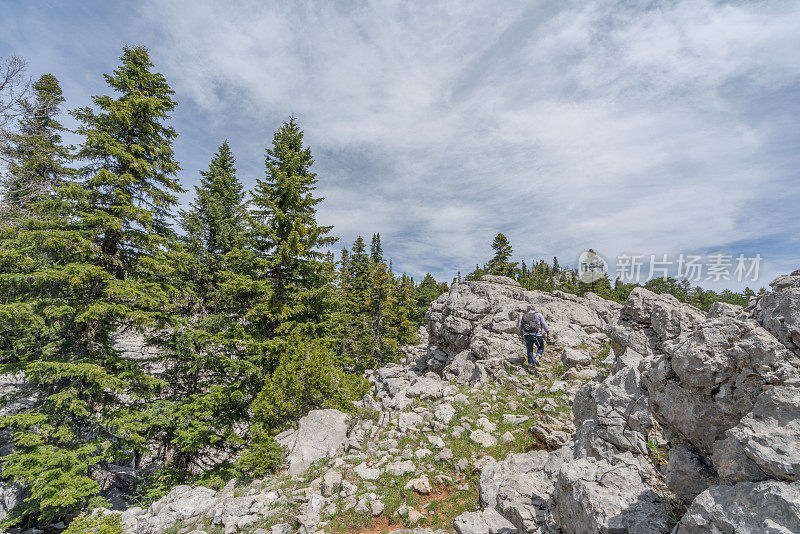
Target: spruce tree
287	240
207	372
375	249
400	323
427	292
288	323
94	265
36	160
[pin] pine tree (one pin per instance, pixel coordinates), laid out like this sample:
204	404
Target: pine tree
210	381
95	264
375	249
287	239
292	280
500	264
36	160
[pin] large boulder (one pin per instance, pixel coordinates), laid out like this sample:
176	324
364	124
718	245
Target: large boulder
320	434
614	413
769	507
182	503
710	379
521	487
483	522
779	310
768	438
647	320
477	321
594	496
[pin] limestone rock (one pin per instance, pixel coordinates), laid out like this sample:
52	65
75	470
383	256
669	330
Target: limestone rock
400	468
485	522
366	472
779	310
482	438
770	434
444	413
710	379
595	496
574	358
409	420
688	472
521	486
320	434
420	485
770	506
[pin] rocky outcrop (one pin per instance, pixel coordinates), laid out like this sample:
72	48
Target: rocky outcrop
475	324
779	310
698	407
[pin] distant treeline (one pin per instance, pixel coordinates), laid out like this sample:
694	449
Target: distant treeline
546	276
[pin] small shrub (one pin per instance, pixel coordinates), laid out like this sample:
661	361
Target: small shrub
95	523
657	453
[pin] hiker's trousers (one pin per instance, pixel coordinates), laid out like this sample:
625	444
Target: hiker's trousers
530	341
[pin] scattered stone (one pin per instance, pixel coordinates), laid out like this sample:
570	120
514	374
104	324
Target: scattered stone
484	439
409	421
487	425
422	453
400	468
436	442
420	485
443	455
366	472
507	437
513	419
331	482
377	508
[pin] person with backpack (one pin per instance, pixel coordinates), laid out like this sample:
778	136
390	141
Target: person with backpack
531	327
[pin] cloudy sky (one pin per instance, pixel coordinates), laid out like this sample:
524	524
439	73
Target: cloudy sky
665	129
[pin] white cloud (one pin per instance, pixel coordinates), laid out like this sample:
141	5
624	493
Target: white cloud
594	124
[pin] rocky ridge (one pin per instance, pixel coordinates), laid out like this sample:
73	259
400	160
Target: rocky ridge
647	417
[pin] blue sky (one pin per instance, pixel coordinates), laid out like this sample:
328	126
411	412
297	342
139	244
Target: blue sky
665	129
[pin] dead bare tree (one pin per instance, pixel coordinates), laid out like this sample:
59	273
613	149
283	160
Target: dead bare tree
14	85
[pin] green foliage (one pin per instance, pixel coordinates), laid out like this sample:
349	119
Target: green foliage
286	239
428	291
263	457
658	454
212	381
305	379
95	523
377	311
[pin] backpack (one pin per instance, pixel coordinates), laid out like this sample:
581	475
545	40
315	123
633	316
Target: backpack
530	322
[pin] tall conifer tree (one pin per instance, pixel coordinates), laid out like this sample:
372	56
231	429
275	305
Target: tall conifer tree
35	157
73	280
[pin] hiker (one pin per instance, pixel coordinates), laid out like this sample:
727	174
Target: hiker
530	326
